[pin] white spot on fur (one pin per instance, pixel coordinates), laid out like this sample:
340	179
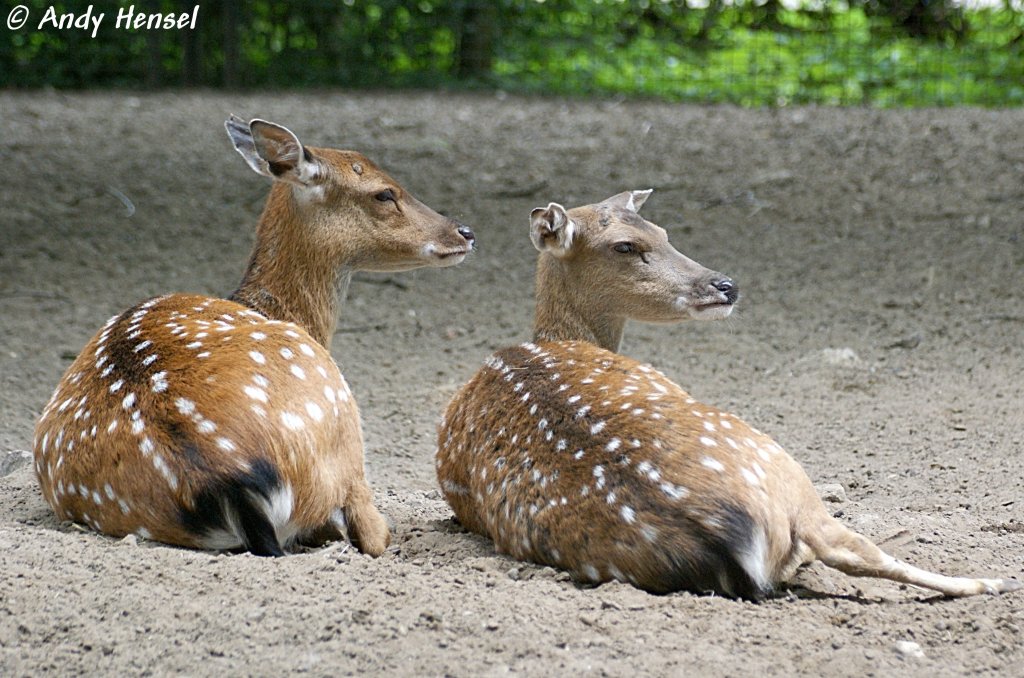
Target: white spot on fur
674	491
315	413
165	471
628	515
185	406
454	488
292	421
159	382
256	393
257	357
298	372
713	464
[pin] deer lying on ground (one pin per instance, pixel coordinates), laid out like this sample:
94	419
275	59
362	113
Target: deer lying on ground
567	454
225	424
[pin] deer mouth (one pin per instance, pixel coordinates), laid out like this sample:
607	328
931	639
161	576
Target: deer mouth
713	311
444	257
450	258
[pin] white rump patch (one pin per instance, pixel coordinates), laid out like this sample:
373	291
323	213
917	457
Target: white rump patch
752	560
278	509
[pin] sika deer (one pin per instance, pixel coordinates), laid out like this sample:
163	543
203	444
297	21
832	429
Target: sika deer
224	424
567	454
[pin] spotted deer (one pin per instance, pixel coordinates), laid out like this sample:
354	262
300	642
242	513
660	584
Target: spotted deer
567	454
225	423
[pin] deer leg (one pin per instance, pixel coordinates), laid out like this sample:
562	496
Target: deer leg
802	555
332	530
367	529
839	547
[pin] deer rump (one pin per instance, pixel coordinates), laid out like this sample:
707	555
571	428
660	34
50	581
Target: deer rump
594	487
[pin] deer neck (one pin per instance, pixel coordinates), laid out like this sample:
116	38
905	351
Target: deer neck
290	277
562	314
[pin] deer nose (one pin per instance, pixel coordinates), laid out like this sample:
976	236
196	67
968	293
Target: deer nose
467	233
727	287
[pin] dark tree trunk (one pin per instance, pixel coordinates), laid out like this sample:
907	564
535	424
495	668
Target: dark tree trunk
192	57
154	51
231	19
476	46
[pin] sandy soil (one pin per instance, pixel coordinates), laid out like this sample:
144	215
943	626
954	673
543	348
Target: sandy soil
880	340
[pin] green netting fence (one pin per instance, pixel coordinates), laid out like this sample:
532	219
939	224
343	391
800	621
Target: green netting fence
750	52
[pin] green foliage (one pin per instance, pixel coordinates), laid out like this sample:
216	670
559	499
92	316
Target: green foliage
752	52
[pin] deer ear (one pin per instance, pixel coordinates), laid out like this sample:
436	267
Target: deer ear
630	200
551	229
272	150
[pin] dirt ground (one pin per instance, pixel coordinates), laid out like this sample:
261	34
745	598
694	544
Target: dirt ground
880	339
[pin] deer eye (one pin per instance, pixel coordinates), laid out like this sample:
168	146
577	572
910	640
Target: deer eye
386	195
624	248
